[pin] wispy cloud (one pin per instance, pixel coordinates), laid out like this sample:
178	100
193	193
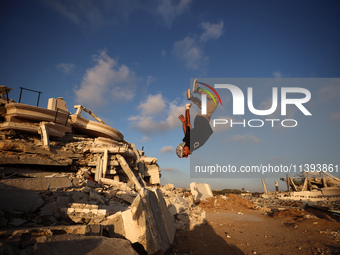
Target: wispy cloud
157	115
167	149
245	139
92	13
66	68
190	53
105	81
329	92
277	74
211	31
145	138
150	79
170	170
190	49
170	9
335	116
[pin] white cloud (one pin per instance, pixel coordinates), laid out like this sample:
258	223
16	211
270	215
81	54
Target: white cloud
190	49
190	52
169	10
106	81
153	104
66	67
145	139
150	120
277	74
244	139
167	149
211	31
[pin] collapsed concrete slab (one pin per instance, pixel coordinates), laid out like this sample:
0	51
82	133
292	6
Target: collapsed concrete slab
147	222
200	191
14	199
76	244
37	183
325	194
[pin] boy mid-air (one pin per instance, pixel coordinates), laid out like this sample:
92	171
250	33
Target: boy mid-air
195	137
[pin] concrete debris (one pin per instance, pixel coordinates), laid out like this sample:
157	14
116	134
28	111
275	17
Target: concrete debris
308	181
200	191
318	189
181	206
66	181
71	244
283	201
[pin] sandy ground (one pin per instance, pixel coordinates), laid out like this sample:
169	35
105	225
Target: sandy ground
235	227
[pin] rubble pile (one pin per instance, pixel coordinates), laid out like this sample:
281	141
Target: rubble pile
66	179
182	207
273	202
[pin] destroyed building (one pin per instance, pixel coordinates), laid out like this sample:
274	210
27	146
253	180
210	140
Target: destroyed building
66	178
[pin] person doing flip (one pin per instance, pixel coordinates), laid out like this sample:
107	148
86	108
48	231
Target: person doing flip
195	137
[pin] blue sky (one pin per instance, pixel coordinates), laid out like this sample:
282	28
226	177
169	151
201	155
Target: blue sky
131	61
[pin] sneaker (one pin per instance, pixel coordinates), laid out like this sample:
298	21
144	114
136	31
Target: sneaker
188	94
195	87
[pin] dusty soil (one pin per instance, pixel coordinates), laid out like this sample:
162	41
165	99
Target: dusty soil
235	227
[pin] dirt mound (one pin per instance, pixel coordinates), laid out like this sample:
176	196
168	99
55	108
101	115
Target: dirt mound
229	202
288	214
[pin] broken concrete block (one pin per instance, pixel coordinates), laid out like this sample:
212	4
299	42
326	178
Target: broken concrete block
149	160
80	197
69	244
49	209
115	225
176	208
94	195
144	223
27	201
169	187
200	191
62	202
57	103
126	196
39	183
167	217
133	231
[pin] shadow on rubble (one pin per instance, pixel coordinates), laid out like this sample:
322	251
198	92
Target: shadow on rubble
201	240
323	213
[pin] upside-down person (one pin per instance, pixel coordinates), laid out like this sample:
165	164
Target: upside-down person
195	137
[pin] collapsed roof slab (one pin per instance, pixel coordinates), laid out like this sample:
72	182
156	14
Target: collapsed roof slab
35	113
95	129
